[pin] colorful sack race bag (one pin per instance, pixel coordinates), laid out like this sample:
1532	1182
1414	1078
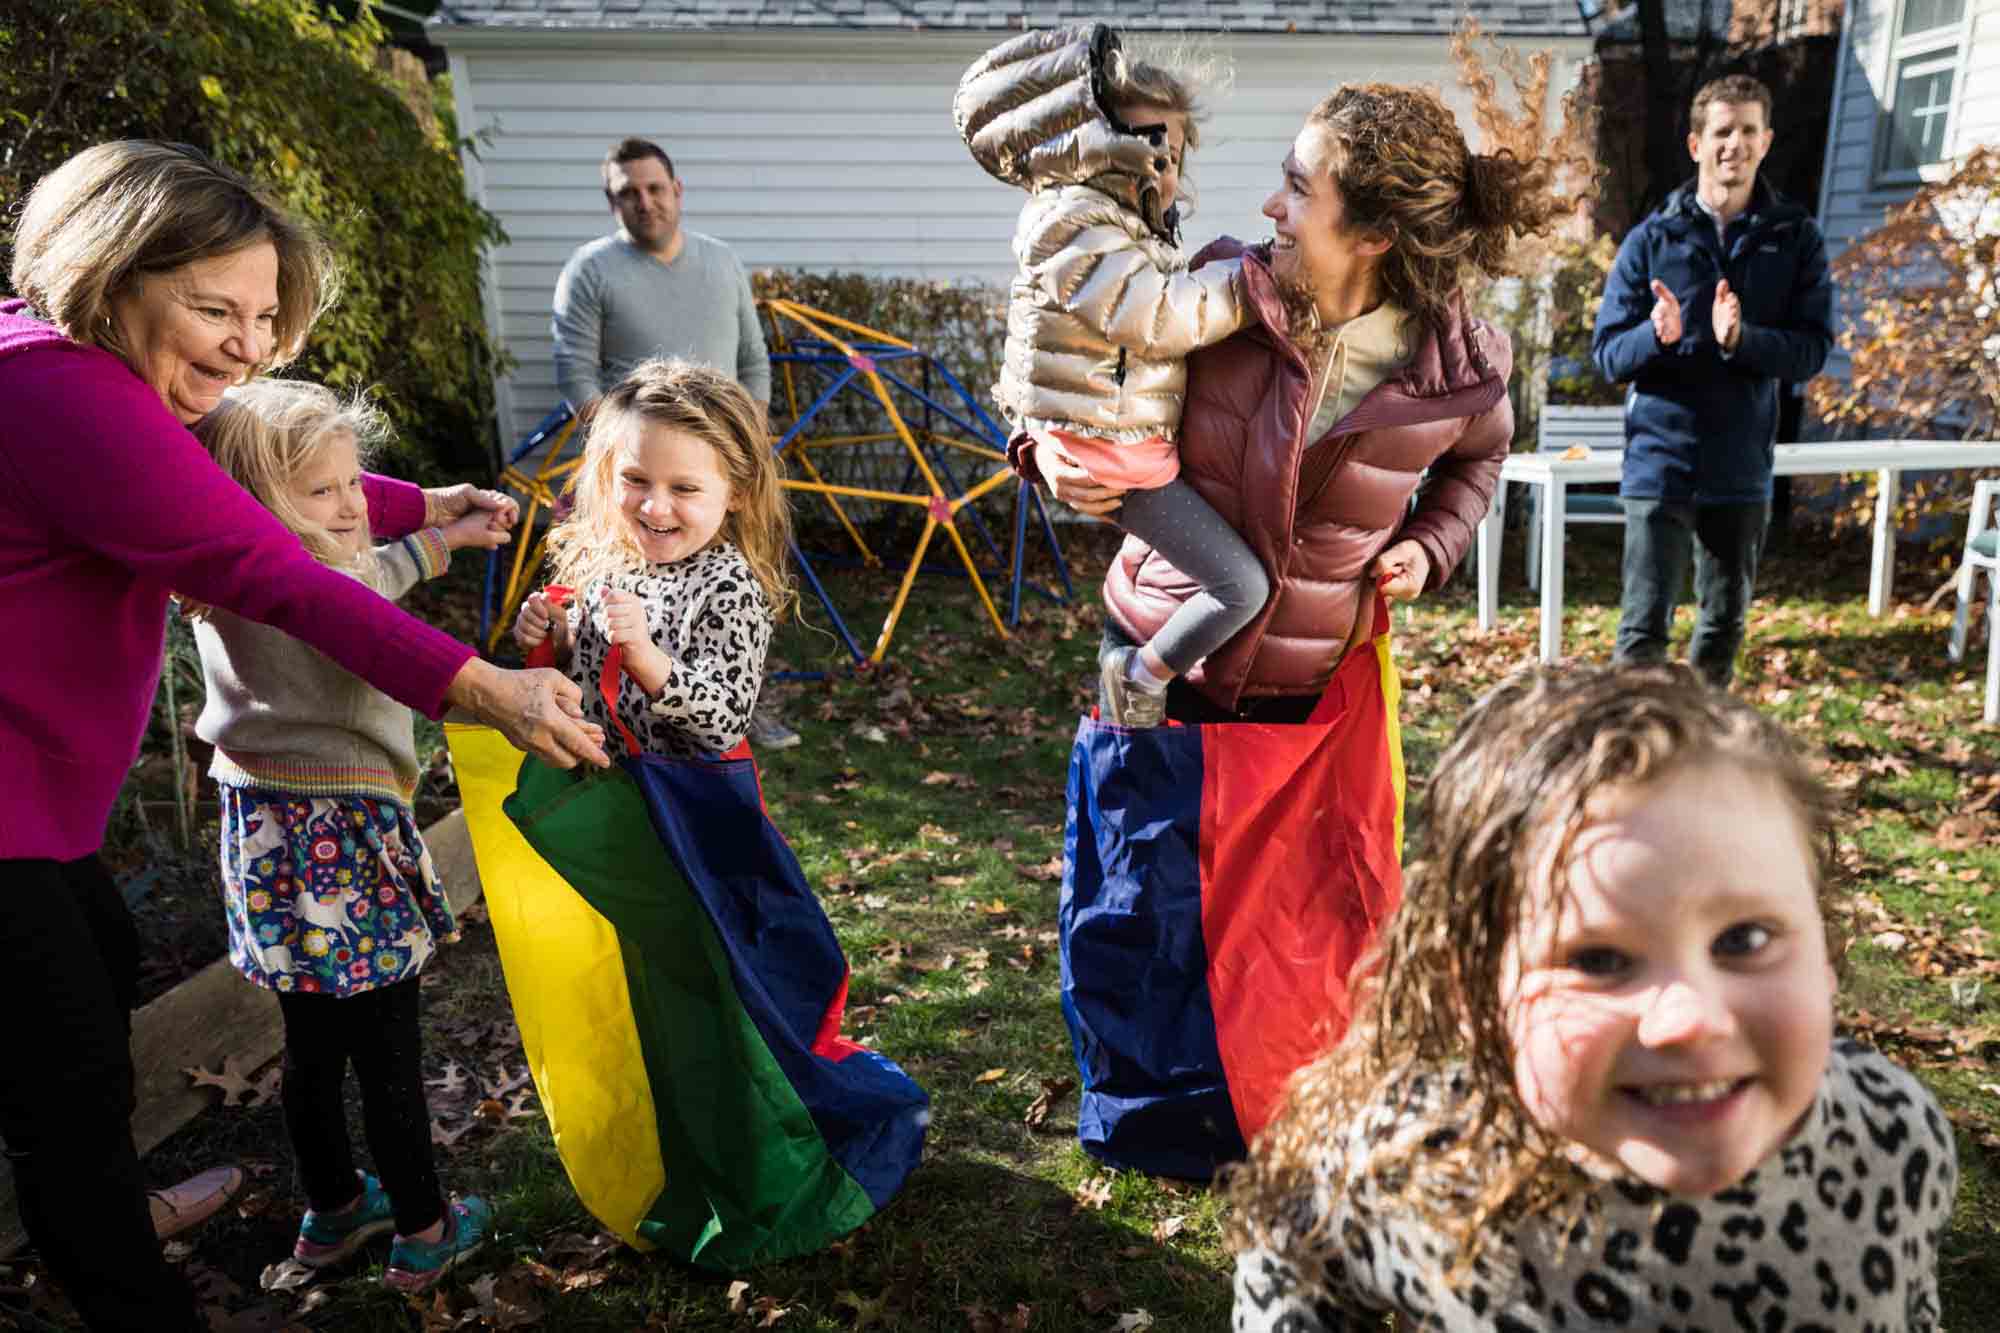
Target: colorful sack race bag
679	993
1219	882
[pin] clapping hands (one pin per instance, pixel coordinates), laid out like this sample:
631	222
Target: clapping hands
1725	315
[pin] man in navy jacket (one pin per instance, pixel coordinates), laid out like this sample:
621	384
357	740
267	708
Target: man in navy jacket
1714	299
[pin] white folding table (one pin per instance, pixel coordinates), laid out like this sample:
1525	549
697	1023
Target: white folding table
1887	459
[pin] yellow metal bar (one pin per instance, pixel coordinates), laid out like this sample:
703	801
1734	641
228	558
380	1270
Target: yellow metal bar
797	314
903	431
853	532
903	593
983	489
829	441
972	571
858	492
510	602
965	446
794	309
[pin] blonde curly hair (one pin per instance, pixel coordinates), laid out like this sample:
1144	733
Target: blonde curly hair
1512	791
595	541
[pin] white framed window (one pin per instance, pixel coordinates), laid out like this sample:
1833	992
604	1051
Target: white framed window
1925	64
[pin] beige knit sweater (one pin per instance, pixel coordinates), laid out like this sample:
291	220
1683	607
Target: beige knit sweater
283	717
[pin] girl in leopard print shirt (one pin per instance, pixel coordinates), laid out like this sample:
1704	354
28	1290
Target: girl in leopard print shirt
675	547
1593	1082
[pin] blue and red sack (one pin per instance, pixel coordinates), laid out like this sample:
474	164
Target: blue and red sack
1219	883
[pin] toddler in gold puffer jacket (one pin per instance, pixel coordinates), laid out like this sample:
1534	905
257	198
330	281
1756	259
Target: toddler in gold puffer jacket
1104	310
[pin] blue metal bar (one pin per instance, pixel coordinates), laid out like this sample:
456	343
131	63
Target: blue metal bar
992	432
1020	555
951	416
1055	547
544	428
819	590
840	382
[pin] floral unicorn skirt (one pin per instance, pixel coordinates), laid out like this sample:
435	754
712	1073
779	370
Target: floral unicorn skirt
327	894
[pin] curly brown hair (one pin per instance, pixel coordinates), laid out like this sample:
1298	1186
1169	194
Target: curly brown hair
1405	172
1512	791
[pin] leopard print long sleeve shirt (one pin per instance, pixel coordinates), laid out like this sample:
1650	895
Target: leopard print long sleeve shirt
1836	1233
709	614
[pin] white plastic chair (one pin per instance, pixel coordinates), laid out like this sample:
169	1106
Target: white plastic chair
1982	556
1594	428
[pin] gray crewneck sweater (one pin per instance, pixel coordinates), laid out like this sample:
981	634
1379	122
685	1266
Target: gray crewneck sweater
283	717
616	305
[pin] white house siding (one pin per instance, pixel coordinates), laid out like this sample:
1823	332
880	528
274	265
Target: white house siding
1851	203
827	151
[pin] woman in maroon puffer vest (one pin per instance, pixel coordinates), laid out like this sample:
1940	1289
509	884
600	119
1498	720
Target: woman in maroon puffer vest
1362	381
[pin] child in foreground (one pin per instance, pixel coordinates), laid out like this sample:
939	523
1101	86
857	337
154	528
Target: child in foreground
675	546
1104	309
1593	1081
328	889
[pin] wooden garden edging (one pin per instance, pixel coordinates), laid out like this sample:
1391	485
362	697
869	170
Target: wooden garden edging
216	1013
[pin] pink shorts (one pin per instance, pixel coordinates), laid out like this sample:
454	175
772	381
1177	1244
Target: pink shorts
1145	466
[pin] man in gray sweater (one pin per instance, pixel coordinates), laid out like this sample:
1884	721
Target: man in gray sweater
654	288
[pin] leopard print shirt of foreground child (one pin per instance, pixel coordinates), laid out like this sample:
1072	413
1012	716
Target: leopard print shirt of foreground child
1836	1233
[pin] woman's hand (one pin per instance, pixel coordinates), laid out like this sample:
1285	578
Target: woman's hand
442	504
483	528
1072	485
625	625
539	711
1405	568
540	617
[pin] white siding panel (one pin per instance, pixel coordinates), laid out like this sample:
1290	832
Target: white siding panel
829	154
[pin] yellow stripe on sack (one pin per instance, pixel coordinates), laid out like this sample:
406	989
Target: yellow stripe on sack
566	975
1392	699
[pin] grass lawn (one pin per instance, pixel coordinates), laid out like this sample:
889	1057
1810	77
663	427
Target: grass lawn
927	807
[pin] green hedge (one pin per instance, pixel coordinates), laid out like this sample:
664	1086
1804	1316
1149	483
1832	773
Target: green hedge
347	135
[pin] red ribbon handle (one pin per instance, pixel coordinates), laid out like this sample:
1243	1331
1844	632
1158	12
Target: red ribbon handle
543	654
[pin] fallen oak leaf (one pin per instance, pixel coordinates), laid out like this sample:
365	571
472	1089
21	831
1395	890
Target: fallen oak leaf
1094	1193
235	1087
738	1294
769	1310
1167	1228
1053	1091
1132	1321
990	1076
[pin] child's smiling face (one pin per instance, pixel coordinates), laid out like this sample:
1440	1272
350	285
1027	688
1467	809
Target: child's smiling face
672	491
328	492
1677	1015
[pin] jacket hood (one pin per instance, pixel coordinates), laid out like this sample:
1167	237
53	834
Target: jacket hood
1034	111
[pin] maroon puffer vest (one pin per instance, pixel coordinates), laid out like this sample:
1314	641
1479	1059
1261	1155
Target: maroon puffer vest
1316	516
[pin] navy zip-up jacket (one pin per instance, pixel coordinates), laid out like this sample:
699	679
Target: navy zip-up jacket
1699	425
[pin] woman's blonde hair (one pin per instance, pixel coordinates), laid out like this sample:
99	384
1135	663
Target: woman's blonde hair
1405	172
595	541
265	433
116	215
1512	792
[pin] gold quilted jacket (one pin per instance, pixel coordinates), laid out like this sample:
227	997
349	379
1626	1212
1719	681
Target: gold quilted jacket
1103	306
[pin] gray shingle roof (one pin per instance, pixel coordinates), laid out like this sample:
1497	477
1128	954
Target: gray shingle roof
1523	18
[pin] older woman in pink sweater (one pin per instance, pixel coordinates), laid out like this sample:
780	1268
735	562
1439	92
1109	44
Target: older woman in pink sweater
150	279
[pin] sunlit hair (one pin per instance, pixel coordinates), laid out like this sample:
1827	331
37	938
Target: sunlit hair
1178	80
132	211
596	541
1406	173
267	432
1510	794
1735	89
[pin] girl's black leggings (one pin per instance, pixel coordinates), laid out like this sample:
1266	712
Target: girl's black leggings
376	1031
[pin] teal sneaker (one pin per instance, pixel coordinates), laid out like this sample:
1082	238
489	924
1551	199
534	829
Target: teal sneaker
329	1238
415	1264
